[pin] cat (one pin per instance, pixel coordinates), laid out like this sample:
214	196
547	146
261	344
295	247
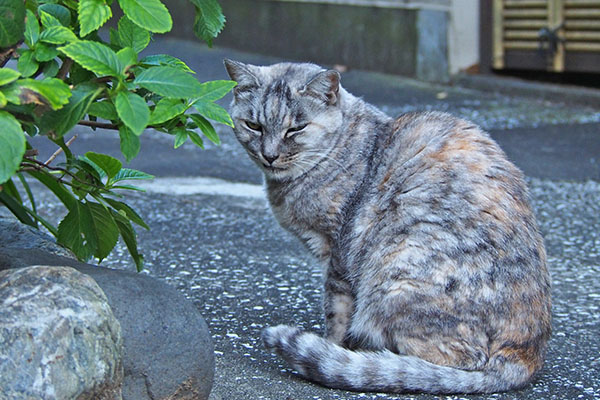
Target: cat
435	275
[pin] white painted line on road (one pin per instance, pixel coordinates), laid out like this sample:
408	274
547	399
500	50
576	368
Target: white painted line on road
202	185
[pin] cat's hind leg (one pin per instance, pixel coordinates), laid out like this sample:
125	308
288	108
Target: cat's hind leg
338	305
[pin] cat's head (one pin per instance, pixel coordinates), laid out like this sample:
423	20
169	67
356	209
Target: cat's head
285	115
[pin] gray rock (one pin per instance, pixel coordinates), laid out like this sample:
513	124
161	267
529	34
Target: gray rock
59	338
167	348
18	235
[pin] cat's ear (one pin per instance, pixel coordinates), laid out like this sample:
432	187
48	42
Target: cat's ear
242	74
325	85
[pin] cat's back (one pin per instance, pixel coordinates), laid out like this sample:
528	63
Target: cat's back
440	182
450	161
443	143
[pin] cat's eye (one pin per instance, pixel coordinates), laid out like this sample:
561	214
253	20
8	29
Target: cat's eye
253	126
294	130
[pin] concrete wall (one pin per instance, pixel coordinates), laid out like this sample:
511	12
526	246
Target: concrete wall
463	35
361	37
426	39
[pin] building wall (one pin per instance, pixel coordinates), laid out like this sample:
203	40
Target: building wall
426	39
463	35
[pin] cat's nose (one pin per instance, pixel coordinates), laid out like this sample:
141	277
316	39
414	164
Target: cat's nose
270	158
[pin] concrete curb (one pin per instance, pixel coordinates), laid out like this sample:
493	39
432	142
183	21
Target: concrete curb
519	87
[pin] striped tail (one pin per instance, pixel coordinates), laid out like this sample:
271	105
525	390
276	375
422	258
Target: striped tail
331	365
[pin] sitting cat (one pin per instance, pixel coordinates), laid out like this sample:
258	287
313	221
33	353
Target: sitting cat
435	272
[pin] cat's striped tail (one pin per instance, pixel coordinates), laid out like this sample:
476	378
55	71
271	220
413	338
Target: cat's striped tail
331	365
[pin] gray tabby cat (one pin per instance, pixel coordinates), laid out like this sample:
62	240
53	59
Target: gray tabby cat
435	272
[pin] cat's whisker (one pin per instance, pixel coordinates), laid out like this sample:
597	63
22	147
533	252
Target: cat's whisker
326	156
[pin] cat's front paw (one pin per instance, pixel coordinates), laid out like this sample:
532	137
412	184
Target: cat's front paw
277	338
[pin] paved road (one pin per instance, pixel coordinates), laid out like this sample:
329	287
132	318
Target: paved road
218	243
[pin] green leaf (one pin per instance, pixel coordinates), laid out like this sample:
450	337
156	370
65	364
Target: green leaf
130	143
63	120
48	20
129	237
181	137
72	4
3	100
214	90
56	187
50	69
133	111
103	109
58	12
209	20
28	191
165	60
8	75
148	14
169	82
105	228
32	29
110	165
43	52
92	15
206	128
53	92
16	208
131	35
90	172
126	174
33	212
196	139
12	200
114	38
128	211
12	22
167	109
26	64
129	187
78	74
93	56
127	57
31	5
10	188
57	35
213	111
76	232
12	143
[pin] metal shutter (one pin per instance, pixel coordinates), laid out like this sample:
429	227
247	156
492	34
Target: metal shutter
554	35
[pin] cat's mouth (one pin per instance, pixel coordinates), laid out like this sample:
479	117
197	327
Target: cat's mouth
274	168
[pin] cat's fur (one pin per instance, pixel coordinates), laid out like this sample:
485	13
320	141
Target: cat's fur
435	273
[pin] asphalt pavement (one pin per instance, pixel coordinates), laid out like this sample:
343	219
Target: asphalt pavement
214	238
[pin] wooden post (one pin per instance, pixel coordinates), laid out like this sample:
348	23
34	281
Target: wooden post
497	35
556	21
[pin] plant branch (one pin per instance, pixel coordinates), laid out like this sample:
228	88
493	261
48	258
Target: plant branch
64	68
60	150
95	124
38	165
6	54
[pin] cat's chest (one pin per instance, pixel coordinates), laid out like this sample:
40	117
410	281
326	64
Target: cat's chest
317	209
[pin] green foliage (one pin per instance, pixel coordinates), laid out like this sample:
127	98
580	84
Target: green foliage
12	21
92	15
67	75
209	19
12	143
151	15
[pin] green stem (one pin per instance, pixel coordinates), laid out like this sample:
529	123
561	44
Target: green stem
39	166
28	191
